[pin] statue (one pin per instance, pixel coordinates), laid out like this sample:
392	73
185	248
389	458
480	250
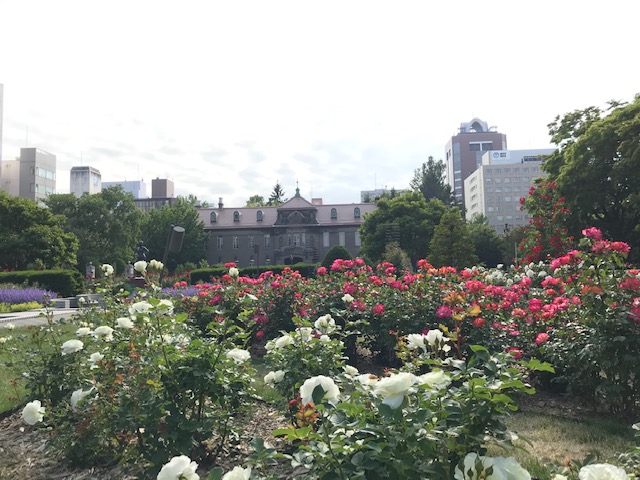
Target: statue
141	251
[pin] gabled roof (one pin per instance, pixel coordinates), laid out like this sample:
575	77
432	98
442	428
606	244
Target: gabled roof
296	202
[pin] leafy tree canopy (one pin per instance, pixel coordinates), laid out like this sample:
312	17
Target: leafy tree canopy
256	201
409	220
32	236
157	224
489	247
451	244
429	180
107	224
597	169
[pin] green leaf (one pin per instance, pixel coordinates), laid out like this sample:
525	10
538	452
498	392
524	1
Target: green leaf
216	474
318	394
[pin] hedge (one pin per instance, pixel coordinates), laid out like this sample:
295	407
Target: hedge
66	283
307	270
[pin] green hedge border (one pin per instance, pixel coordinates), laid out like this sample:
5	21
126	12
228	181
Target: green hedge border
203	275
66	283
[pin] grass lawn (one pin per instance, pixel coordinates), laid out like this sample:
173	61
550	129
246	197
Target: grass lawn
548	438
12	391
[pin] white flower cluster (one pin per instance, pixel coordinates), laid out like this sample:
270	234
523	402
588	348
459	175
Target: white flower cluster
434	338
179	468
107	270
475	467
156	265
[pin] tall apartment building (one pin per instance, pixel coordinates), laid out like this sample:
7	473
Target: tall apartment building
85	179
463	152
162	191
296	231
496	187
162	188
32	175
135	187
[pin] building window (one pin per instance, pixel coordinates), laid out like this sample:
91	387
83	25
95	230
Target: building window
487	146
219	239
296	240
213	218
251	241
341	239
303	239
334	213
236	216
267	240
474	147
325	239
259	216
357	239
236	243
356	212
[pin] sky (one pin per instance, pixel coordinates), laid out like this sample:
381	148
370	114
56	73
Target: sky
226	98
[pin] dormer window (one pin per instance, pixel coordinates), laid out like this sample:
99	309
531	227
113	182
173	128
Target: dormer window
259	216
236	216
213	218
334	213
356	212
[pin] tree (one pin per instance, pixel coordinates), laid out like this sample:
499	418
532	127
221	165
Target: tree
277	196
32	236
256	201
157	224
408	220
429	180
489	247
334	253
107	224
451	244
597	169
398	257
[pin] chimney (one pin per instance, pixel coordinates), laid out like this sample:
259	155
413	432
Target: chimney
220	204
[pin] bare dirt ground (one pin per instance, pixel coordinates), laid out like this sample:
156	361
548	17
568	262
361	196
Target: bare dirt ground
23	451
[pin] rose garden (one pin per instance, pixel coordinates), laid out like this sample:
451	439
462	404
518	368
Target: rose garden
380	373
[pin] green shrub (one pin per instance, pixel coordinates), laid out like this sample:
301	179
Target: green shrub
336	252
66	283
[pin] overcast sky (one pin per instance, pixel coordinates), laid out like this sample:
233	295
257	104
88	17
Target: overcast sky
227	97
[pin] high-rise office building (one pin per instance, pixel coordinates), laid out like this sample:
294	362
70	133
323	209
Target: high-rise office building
135	187
85	179
463	152
32	175
162	188
496	187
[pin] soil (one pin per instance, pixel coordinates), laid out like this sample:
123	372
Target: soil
23	451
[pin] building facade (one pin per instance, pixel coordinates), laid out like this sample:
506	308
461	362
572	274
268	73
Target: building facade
1	110
32	175
296	231
85	179
137	188
496	187
463	152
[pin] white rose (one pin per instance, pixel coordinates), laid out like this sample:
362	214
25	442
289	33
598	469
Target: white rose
3	340
140	307
107	269
325	324
33	412
83	331
234	272
179	468
94	358
165	306
71	346
156	265
78	395
305	333
104	332
140	266
9	326
350	371
393	389
331	390
346	298
238	473
435	337
238	355
124	322
324	338
283	341
602	471
436	379
367	380
416	340
274	377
